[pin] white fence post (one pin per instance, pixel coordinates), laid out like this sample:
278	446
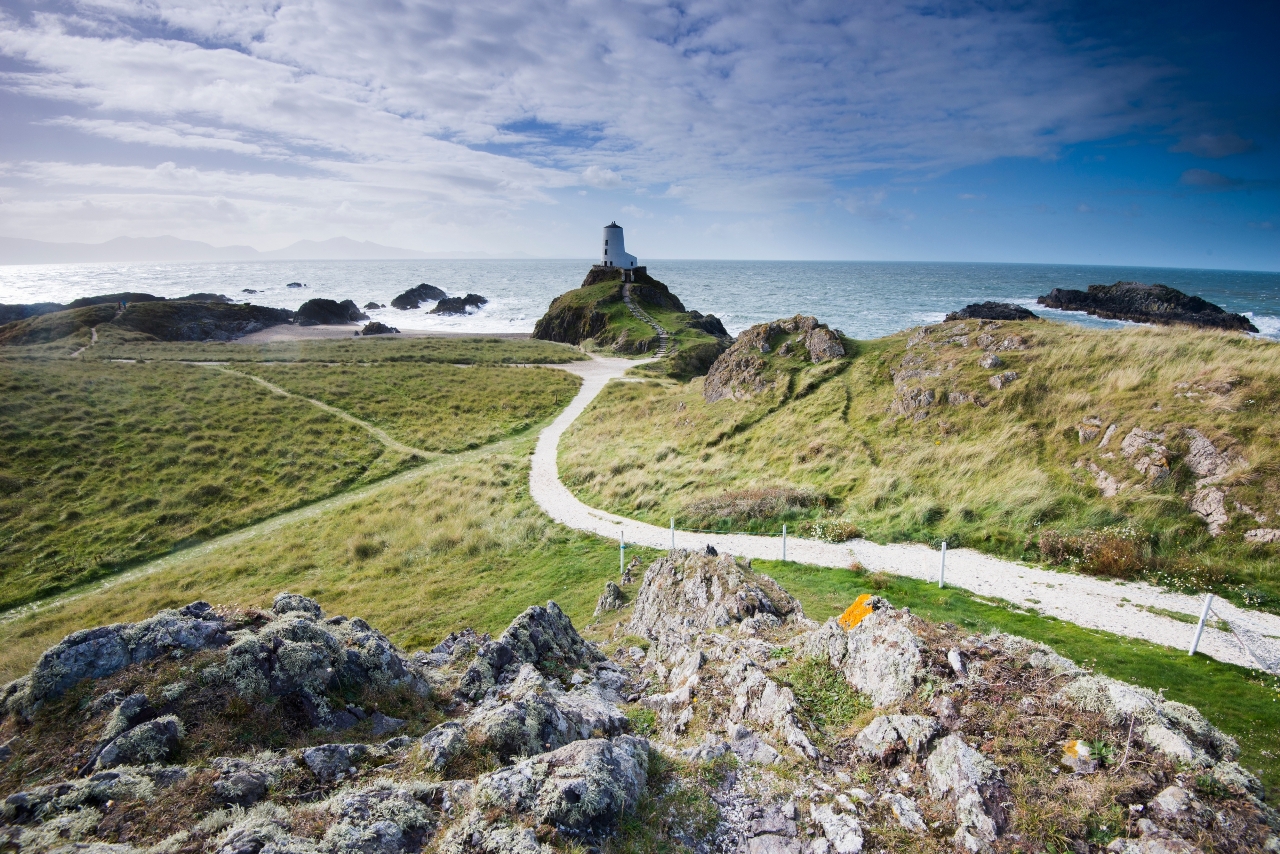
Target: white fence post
784	541
622	553
673	533
942	568
1204	615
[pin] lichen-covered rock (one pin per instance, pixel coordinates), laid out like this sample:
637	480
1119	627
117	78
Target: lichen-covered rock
889	736
687	592
1174	729
1210	504
533	716
972	782
381	818
879	657
439	747
823	344
759	699
44	802
100	652
842	830
292	603
540	636
151	741
610	600
739	373
582	789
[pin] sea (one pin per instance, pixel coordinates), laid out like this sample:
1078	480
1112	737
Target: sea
864	299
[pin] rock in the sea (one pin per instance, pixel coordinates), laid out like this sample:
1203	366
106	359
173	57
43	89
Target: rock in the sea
458	305
991	311
1146	304
379	328
416	296
327	312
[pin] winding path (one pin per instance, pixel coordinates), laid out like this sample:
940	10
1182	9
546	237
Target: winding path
664	338
1094	603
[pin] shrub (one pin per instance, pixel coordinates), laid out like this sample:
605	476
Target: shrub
752	504
1116	552
832	530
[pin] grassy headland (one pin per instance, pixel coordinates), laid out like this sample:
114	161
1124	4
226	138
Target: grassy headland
905	439
596	317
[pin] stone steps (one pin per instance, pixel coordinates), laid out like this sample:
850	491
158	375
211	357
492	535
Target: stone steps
664	343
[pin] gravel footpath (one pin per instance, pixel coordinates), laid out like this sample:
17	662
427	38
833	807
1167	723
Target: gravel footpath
1113	606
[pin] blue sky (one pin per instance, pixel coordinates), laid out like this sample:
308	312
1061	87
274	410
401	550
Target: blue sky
1135	133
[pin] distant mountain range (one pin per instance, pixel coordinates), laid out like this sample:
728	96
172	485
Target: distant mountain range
17	250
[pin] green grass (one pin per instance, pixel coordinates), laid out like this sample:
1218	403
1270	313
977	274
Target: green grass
432	406
462	545
461	351
106	464
990	477
1241	702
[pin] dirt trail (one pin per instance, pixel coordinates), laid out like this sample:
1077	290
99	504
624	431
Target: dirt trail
376	432
1094	603
93	339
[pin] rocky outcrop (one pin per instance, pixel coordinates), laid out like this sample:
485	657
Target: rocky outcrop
1146	304
459	305
690	592
416	296
379	328
327	312
742	372
880	656
991	311
528	743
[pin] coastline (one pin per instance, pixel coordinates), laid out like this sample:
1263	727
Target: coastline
286	332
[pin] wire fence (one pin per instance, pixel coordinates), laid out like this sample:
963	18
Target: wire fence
1262	649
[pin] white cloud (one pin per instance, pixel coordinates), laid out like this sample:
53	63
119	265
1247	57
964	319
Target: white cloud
425	107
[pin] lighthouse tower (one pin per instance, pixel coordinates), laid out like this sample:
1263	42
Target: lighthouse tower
615	250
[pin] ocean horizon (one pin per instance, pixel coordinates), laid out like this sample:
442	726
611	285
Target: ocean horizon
864	299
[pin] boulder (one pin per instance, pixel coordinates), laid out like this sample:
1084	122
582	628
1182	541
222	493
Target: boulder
889	736
439	747
823	344
1146	304
610	600
990	361
1210	504
972	783
739	372
458	305
151	741
581	789
416	296
378	328
843	831
686	592
1002	379
544	637
879	657
991	311
100	652
906	812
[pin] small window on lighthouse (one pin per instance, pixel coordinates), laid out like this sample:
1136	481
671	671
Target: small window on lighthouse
606	243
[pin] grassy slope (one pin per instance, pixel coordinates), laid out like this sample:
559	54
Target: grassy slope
431	406
988	477
461	546
461	351
106	464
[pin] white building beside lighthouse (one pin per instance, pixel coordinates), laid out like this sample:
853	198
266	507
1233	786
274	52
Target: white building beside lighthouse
615	249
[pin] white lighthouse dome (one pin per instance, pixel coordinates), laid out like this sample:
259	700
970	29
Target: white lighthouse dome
615	249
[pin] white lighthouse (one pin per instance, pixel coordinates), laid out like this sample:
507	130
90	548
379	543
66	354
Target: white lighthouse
615	250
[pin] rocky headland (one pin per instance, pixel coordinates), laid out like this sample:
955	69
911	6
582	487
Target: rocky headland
1146	304
596	312
719	718
198	317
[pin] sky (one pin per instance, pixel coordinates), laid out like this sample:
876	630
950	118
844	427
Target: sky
1134	133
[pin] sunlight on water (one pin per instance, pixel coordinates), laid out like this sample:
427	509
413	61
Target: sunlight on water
864	299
